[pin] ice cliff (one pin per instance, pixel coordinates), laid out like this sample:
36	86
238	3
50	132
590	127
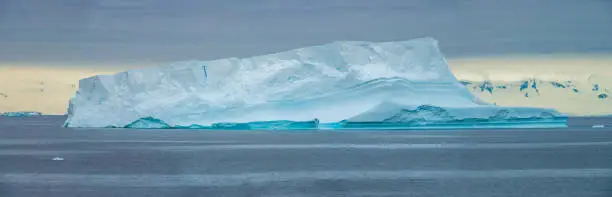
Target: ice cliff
339	85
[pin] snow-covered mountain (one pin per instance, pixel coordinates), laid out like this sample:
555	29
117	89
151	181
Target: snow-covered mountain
576	85
530	88
574	97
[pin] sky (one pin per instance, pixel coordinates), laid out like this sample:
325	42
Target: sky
87	33
46	46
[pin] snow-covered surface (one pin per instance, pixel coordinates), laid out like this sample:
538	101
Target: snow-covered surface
572	97
580	88
328	86
21	114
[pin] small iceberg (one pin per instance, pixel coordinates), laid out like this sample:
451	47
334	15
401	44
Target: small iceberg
598	126
57	159
21	114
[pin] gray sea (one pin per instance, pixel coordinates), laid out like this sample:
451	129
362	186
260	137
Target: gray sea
40	158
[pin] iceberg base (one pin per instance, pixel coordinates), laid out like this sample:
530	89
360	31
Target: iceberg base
152	123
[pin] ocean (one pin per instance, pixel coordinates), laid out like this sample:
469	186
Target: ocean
40	158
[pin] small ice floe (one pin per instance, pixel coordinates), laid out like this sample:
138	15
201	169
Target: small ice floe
58	159
599	126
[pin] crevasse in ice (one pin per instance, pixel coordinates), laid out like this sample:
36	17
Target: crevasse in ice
397	85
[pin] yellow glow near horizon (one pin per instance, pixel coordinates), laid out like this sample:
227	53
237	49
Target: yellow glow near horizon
48	89
544	68
43	89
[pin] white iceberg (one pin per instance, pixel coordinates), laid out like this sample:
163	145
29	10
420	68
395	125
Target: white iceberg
57	159
335	86
21	114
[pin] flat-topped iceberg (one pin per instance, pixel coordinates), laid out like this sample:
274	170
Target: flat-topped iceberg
21	114
339	85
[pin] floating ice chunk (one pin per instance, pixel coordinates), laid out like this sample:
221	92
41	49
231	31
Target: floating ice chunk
21	114
57	159
598	126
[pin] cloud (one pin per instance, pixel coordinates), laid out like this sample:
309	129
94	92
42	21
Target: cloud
73	31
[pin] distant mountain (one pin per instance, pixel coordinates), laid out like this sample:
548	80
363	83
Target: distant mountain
573	97
531	86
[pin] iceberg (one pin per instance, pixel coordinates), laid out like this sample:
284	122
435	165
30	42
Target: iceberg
389	115
21	114
340	85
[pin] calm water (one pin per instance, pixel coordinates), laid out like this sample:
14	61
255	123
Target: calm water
39	158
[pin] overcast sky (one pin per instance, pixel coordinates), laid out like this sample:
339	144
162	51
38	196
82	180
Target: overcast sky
119	31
